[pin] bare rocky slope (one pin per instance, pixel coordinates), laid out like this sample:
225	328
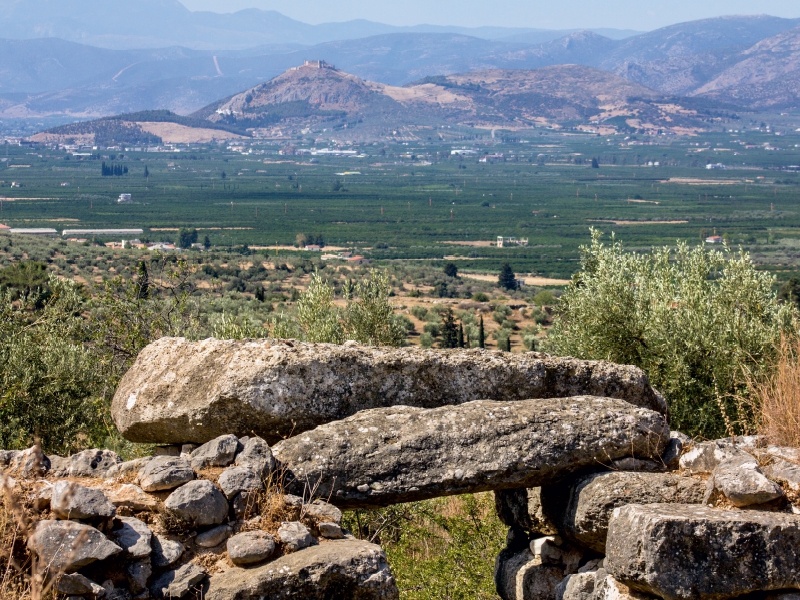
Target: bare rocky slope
488	98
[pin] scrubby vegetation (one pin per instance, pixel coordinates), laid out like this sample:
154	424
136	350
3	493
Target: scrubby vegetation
704	324
699	322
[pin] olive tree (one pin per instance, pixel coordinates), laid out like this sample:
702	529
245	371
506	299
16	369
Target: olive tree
697	321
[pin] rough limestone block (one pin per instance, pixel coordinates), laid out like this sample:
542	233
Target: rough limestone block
93	463
166	552
71	500
582	509
76	584
177	583
131	496
234	480
219	452
522	576
251	548
165	473
198	503
351	569
67	546
403	454
133	536
180	391
295	536
256	455
213	537
742	482
695	552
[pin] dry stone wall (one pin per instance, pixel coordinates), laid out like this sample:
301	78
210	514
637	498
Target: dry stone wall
207	523
602	501
712	525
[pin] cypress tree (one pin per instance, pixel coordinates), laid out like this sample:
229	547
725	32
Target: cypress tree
450	336
481	335
508	344
461	335
143	281
507	279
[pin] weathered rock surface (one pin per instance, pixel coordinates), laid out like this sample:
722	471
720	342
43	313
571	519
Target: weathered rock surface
131	496
323	512
30	463
199	503
608	588
256	455
129	467
522	509
133	536
239	479
331	531
179	391
522	576
8	457
295	536
219	452
579	586
138	573
213	537
742	482
165	473
583	509
93	463
70	500
177	583
75	584
350	569
402	454
251	548
679	551
166	552
704	457
67	546
785	471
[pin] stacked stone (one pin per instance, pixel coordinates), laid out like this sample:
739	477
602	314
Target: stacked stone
710	520
601	500
187	520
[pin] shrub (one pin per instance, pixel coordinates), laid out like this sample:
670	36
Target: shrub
529	337
367	318
544	298
696	321
419	311
48	380
442	548
480	297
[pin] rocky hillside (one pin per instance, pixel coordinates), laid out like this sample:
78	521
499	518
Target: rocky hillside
491	98
764	76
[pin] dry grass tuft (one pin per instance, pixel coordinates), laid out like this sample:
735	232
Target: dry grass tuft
273	507
21	577
778	397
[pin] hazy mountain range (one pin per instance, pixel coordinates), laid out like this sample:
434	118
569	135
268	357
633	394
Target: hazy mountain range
133	24
318	98
744	62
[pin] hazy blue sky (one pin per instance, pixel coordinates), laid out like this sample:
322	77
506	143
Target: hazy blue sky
547	14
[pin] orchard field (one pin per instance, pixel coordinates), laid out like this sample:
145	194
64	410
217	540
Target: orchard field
411	202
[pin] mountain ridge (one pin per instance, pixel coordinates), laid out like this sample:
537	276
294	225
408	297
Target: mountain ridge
158	23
